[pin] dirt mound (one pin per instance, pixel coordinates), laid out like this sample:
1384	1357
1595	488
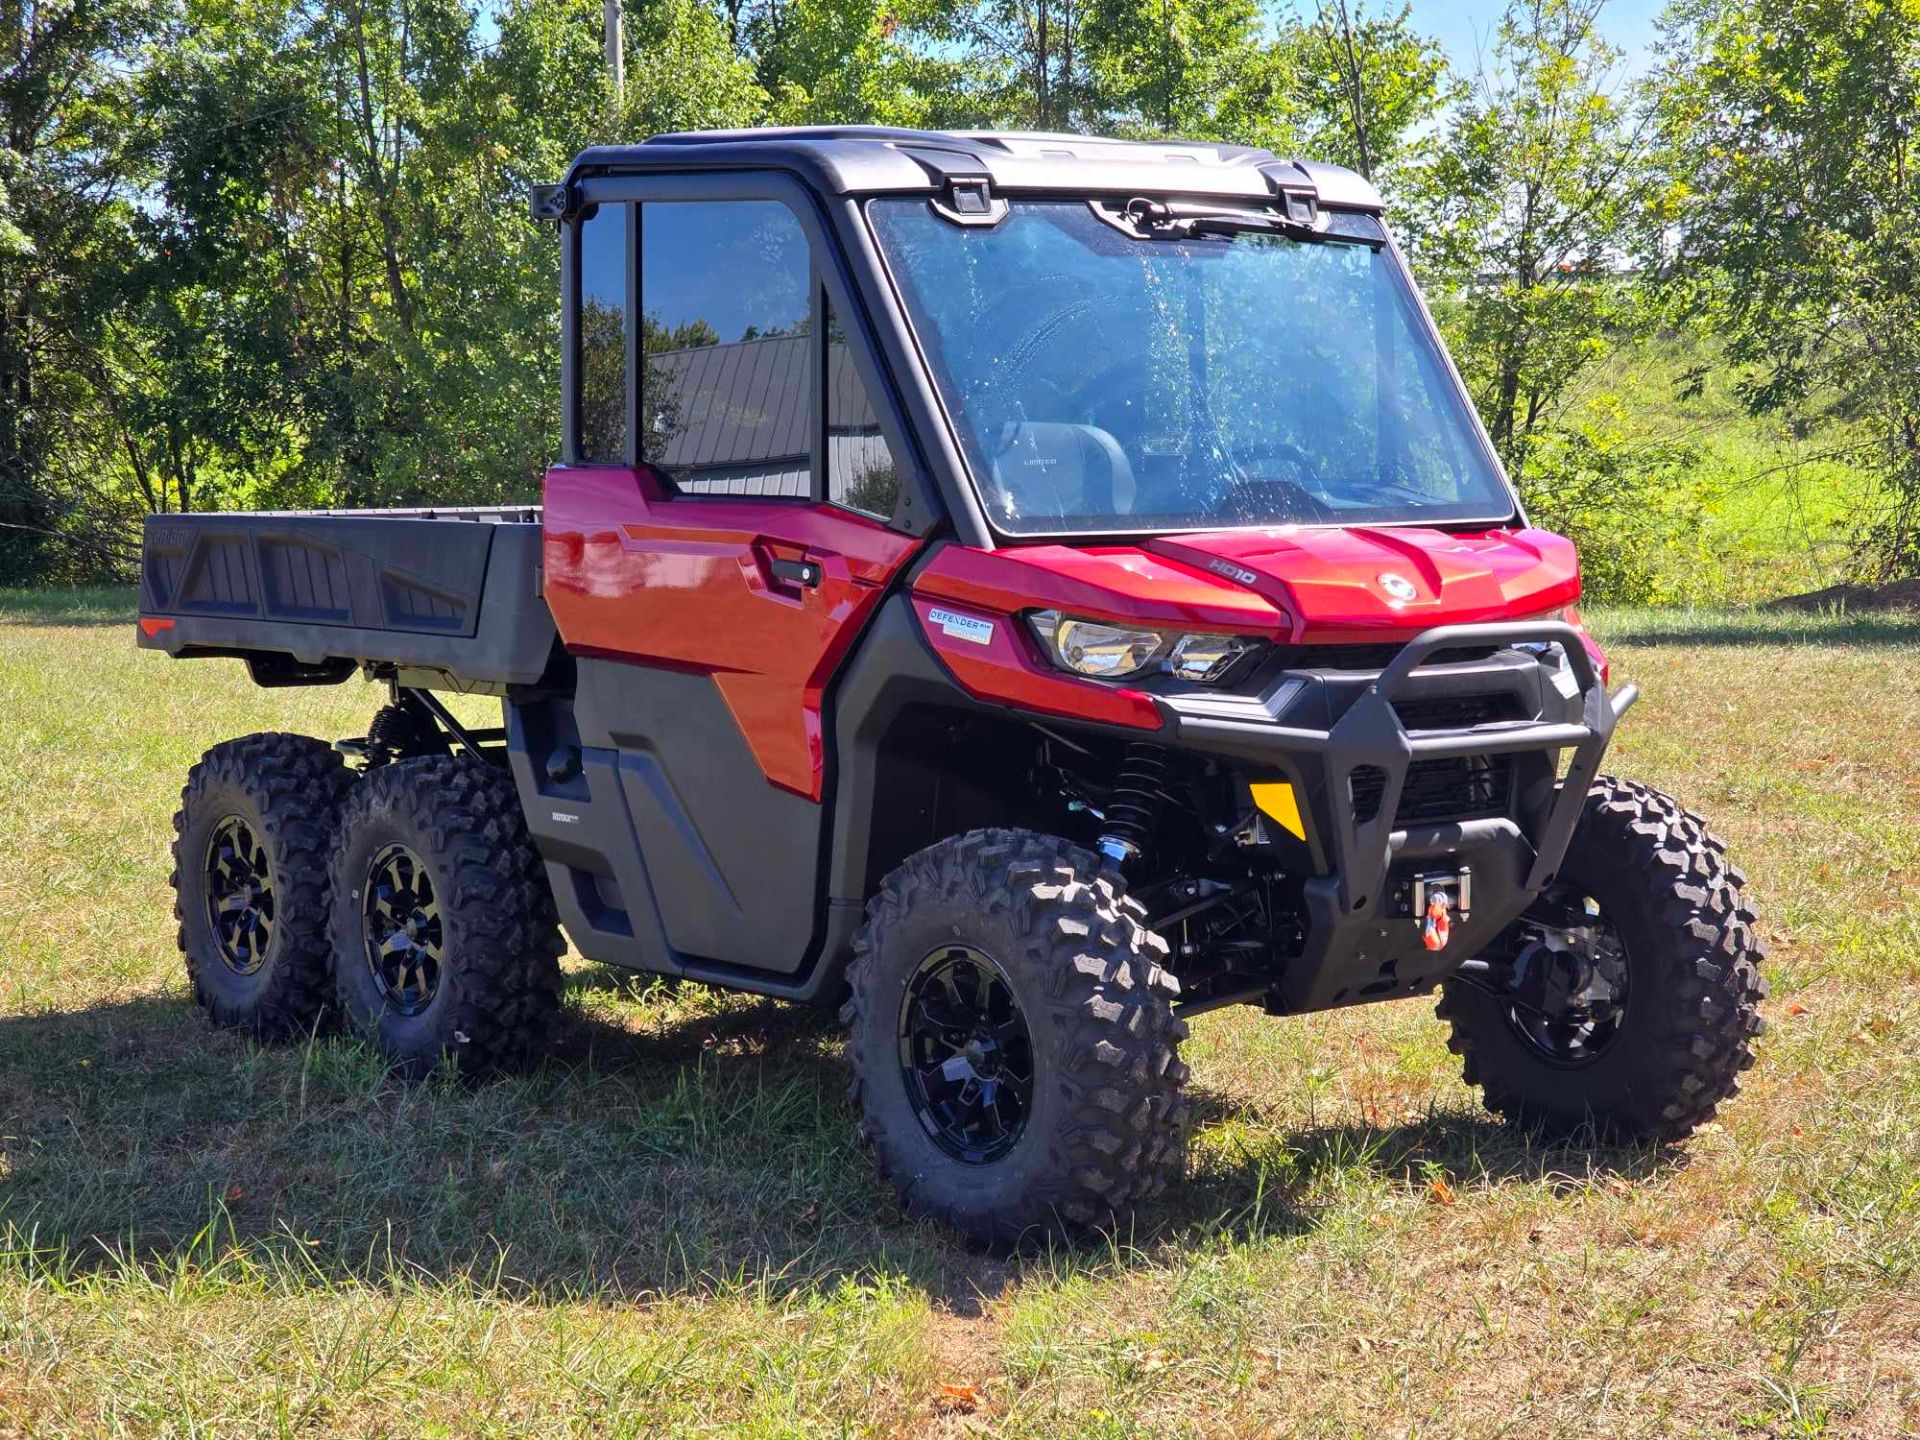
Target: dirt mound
1895	595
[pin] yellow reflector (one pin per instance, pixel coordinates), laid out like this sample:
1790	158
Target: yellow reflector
1276	800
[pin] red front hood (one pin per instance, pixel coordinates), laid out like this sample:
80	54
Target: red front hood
1365	583
1298	585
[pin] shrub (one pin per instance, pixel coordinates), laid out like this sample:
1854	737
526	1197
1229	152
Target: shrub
1635	508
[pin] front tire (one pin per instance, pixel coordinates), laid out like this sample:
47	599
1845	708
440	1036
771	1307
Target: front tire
1014	1049
251	837
445	940
1684	980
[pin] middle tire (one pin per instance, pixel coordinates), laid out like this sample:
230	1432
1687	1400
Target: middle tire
445	941
1014	1048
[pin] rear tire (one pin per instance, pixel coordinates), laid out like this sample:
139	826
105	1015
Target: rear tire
444	936
251	838
1085	1015
1693	983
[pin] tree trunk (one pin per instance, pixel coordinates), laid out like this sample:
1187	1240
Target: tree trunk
380	179
1353	82
1040	70
1063	92
1507	396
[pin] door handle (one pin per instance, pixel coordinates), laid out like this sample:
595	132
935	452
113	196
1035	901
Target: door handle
796	572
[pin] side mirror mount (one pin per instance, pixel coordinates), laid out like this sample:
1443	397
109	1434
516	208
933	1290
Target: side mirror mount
547	202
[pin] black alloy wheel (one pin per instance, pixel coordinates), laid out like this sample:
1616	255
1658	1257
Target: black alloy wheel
1011	1034
1583	993
445	944
239	895
1636	988
404	937
256	822
966	1054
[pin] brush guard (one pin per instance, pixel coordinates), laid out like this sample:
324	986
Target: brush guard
1356	948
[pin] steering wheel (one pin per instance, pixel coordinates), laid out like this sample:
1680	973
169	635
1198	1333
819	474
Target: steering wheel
1256	457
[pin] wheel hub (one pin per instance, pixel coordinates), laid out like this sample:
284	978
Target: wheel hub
966	1055
1570	988
404	936
239	892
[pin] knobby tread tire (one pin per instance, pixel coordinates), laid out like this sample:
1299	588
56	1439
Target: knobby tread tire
499	991
293	785
1108	1125
1694	968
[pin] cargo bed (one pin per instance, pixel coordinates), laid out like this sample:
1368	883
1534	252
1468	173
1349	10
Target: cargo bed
452	596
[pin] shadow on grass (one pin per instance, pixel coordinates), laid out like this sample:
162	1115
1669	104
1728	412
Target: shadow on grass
703	1155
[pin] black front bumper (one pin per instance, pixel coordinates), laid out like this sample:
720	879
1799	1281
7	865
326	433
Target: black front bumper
1358	946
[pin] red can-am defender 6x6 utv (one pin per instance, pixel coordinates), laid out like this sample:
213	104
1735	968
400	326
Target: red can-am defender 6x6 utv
1029	590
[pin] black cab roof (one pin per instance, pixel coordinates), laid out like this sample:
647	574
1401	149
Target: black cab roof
875	159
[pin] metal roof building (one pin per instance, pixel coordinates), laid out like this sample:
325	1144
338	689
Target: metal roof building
735	420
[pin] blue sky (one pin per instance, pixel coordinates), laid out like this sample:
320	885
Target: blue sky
1465	26
1462	26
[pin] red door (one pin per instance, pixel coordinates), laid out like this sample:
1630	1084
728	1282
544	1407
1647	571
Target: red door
763	596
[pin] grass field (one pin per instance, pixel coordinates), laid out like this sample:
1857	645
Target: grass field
1779	512
670	1229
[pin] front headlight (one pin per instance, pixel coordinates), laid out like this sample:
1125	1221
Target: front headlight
1113	652
1206	658
1087	647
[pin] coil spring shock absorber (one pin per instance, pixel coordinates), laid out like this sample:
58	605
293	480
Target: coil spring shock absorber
1133	804
402	728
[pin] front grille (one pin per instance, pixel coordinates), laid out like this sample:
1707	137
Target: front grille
1369	786
1438	791
1459	789
1339	657
1369	657
1458	712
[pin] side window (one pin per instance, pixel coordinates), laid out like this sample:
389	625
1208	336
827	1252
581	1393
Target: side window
727	332
860	473
603	334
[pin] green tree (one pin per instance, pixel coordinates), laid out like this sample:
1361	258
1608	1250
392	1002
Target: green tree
1791	131
1202	71
854	62
686	71
71	148
343	299
1370	87
1526	215
199	384
1028	68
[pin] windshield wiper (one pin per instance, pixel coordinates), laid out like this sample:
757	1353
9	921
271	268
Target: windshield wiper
1146	219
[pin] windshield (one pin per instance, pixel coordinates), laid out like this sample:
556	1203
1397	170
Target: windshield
1101	382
